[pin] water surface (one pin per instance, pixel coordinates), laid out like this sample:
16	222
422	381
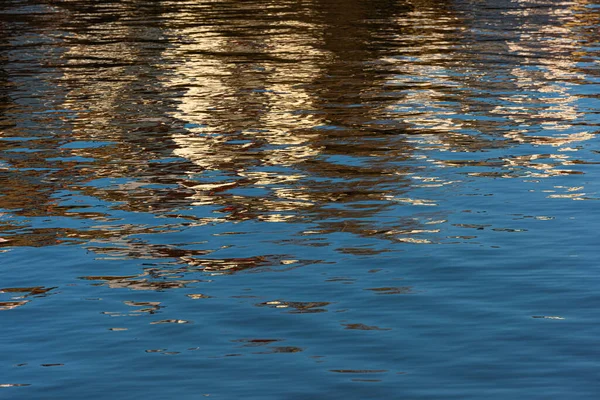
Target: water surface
307	199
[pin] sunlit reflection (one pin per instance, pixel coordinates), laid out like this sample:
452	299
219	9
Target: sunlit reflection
243	184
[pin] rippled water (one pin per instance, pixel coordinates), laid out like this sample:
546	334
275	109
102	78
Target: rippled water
315	199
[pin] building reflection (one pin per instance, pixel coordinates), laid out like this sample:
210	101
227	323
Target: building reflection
314	112
281	108
499	82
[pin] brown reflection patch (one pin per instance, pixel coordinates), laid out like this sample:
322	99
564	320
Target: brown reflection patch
359	371
392	290
29	291
9	305
107	277
363	327
150	307
121	282
22	293
472	226
41	237
170	321
223	266
509	230
144	250
282	349
142	303
342	279
357	251
369	228
227	265
163	352
197	296
298	307
256	342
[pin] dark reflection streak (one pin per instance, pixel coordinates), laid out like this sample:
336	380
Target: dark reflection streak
30	180
112	108
5	102
351	96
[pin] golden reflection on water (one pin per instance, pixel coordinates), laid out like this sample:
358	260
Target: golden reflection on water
316	112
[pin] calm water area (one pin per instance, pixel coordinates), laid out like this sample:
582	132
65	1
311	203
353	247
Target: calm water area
299	199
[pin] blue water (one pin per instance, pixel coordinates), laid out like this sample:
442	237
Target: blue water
322	199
